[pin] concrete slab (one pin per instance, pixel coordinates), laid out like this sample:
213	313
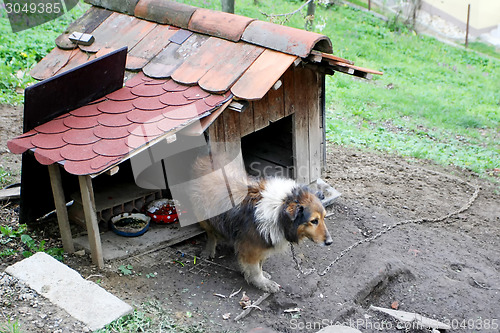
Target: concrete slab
84	300
117	247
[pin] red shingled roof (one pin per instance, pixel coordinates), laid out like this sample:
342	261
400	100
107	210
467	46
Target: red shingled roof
190	60
90	139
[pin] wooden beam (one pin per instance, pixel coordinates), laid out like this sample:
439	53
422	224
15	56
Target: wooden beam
89	210
61	210
302	88
315	128
246	120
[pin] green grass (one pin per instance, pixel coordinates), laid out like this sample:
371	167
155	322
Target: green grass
485	49
153	317
434	101
19	52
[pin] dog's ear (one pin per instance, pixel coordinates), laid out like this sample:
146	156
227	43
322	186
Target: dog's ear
293	210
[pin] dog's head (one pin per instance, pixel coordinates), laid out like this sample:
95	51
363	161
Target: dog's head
307	216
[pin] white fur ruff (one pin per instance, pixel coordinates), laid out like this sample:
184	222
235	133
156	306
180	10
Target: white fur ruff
268	208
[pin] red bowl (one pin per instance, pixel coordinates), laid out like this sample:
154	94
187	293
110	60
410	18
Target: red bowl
162	211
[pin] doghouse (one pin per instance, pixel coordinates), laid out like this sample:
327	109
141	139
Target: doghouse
155	71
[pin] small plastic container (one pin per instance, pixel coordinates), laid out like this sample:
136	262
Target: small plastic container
130	224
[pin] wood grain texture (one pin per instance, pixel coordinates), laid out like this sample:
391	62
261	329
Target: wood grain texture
262	75
230	67
89	209
61	210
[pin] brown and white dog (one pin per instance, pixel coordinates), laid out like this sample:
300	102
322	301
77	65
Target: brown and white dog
259	216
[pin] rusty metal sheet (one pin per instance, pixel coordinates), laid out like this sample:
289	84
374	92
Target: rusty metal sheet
199	63
149	47
286	39
230	67
52	63
262	75
219	24
86	24
165	12
168	60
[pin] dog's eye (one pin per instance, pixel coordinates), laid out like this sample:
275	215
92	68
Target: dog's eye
315	221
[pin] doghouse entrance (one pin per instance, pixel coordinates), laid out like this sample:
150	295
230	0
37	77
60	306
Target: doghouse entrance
269	151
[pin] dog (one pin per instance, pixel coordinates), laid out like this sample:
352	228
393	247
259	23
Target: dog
258	216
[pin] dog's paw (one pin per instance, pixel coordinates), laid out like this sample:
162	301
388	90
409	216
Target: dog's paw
207	254
266	275
267	285
270	286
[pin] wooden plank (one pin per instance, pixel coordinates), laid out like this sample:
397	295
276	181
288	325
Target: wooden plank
260	113
86	24
200	63
172	56
230	67
288	91
149	47
119	30
276	104
61	210
10	193
246	121
232	132
315	128
52	63
330	56
107	31
198	128
300	127
217	136
262	75
79	58
88	203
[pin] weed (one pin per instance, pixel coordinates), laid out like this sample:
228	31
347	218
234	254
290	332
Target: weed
10	327
9	234
126	269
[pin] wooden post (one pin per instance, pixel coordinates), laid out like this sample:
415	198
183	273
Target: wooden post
61	210
369	5
91	220
467	28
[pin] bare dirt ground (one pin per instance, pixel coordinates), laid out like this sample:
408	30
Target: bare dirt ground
446	270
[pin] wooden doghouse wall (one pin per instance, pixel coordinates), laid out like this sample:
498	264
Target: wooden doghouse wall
300	95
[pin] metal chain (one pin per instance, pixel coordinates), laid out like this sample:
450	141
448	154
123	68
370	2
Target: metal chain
387	229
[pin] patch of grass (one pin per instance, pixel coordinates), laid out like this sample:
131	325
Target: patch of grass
10	327
19	52
24	243
485	49
434	101
152	317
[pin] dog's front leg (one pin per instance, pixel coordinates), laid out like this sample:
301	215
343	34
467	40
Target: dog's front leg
254	275
209	251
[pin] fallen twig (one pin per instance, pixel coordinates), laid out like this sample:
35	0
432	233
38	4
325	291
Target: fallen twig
250	307
220	295
235	293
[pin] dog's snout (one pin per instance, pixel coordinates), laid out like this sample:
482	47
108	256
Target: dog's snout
328	241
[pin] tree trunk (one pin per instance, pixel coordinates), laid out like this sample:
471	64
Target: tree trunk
227	6
311	8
